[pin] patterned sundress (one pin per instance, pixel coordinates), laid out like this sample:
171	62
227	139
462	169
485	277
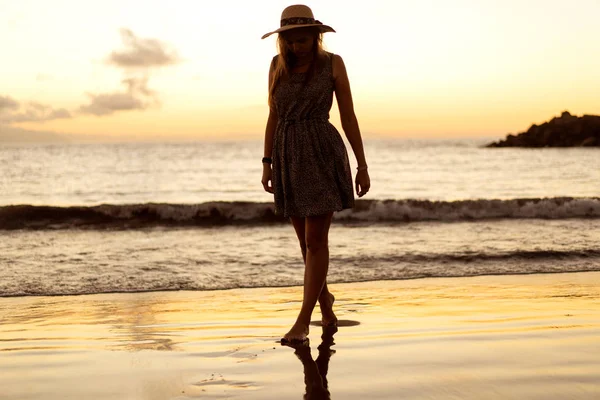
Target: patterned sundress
311	171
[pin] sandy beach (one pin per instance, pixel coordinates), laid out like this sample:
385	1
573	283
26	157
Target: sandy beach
490	337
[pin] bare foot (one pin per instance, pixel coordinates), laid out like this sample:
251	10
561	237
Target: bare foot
326	303
298	333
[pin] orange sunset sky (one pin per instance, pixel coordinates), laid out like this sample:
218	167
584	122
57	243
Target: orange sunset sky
138	70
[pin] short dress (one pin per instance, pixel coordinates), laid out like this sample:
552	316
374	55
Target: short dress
311	172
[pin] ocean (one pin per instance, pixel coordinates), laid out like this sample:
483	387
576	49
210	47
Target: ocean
132	217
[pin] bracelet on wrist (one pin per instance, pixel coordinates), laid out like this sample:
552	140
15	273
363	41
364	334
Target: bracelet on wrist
267	160
362	168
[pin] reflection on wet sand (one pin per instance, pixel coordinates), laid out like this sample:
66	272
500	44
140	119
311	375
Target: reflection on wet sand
315	371
137	327
478	338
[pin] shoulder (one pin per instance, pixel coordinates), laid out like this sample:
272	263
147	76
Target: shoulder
337	65
333	58
336	60
274	60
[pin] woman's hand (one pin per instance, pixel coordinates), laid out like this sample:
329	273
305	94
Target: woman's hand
267	178
363	182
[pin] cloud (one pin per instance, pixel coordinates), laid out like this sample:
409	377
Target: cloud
139	53
12	134
138	85
7	103
11	111
136	97
142	52
137	59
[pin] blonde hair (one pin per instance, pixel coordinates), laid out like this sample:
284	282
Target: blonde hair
283	63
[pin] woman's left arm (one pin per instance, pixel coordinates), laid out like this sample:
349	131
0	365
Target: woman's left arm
350	122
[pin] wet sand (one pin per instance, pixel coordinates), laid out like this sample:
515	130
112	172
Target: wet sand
494	337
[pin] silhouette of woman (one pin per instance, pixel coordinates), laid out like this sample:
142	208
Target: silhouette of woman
305	162
315	371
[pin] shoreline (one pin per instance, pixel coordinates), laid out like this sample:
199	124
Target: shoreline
532	336
299	286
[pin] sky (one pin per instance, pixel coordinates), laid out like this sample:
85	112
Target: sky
142	70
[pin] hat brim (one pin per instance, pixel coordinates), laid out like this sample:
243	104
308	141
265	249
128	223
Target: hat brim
323	29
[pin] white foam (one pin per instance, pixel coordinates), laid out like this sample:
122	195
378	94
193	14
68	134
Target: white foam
414	210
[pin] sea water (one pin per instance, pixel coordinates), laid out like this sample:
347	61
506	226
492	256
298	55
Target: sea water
92	218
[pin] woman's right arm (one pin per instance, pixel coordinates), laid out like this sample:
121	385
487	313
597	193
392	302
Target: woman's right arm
269	132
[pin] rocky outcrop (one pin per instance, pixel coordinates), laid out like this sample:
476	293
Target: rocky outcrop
564	131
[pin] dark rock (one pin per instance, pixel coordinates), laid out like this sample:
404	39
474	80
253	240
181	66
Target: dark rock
564	131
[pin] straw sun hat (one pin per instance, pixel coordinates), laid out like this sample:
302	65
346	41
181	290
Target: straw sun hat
298	16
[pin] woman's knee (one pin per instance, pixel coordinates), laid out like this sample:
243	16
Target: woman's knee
317	231
314	244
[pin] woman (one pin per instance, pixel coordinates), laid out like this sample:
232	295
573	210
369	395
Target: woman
305	158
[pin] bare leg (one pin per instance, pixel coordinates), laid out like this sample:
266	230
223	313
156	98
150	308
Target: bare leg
315	272
326	298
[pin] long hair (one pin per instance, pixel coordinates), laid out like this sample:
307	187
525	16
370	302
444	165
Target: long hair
286	60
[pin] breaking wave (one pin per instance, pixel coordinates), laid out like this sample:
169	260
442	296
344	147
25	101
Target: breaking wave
132	216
